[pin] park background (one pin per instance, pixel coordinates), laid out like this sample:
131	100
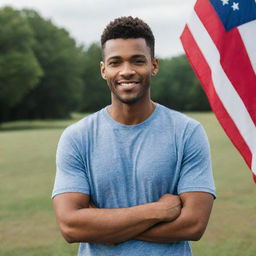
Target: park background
48	80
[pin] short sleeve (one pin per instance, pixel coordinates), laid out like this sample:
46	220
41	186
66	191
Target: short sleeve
196	168
71	175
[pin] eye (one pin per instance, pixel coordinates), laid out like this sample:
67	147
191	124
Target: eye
140	61
113	63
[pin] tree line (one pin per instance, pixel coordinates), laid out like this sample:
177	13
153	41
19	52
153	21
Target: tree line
45	74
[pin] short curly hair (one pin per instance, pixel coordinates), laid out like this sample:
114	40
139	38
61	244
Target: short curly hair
128	27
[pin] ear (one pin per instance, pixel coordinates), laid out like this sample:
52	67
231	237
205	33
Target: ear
155	66
102	69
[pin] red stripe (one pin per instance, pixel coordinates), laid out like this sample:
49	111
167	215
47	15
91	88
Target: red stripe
234	57
254	177
203	73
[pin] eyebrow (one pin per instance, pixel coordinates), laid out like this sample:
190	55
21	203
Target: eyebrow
132	57
113	57
138	56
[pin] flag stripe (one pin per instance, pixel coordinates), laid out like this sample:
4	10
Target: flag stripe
249	40
233	55
224	89
204	74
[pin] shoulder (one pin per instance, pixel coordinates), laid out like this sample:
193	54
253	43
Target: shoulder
80	130
83	125
180	123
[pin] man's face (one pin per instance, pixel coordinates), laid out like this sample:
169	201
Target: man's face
128	68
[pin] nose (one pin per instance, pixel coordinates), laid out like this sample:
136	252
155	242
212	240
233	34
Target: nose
127	70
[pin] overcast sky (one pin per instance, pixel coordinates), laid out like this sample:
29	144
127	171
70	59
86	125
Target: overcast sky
86	19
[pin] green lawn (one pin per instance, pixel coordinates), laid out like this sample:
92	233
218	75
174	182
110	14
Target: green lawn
27	169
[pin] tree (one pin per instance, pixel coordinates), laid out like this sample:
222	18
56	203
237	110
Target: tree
59	89
44	74
95	90
177	87
19	68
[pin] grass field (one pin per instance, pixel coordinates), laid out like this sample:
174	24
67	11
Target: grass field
27	169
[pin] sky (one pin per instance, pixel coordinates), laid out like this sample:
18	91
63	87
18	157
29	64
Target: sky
86	19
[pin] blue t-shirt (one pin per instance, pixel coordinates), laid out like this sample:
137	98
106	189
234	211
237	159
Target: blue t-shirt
126	165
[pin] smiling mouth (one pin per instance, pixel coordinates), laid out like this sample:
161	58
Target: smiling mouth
128	84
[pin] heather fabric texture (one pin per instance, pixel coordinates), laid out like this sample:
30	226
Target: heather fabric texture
126	165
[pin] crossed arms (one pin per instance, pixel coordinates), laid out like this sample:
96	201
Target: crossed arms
170	219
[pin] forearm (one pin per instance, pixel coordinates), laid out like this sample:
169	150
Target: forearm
79	223
109	225
189	225
181	229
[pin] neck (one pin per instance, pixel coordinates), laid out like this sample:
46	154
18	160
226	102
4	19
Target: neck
131	114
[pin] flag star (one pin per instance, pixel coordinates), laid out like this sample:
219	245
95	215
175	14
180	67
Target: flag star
235	6
224	2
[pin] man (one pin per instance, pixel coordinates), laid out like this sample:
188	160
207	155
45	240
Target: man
135	177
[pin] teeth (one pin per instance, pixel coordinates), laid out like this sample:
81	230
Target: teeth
128	84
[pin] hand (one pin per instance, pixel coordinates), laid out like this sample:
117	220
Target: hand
169	206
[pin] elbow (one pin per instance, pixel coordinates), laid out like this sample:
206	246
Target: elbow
69	239
68	234
70	229
197	231
196	236
72	234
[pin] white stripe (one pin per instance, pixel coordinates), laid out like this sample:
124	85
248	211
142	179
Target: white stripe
254	163
229	97
248	34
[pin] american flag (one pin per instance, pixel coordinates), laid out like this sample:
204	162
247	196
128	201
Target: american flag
220	43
